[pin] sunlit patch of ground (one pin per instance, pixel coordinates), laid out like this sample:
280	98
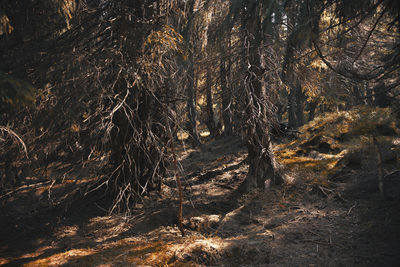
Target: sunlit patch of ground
325	143
61	258
182	135
133	251
289	225
204	133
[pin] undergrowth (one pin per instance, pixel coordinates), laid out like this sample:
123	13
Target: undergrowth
336	140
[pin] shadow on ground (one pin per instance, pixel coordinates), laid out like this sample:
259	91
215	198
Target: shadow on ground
300	224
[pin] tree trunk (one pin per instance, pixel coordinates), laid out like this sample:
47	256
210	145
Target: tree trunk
292	110
368	92
210	122
296	96
280	111
261	159
358	97
312	107
191	104
300	97
226	99
381	98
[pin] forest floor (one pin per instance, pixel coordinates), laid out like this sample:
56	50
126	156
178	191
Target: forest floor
319	218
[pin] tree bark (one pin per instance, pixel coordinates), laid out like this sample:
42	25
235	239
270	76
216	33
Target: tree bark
210	121
312	107
381	98
226	96
296	96
191	103
300	98
261	159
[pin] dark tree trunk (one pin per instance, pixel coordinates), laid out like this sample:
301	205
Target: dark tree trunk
226	99
138	131
191	104
368	91
357	94
280	111
300	98
261	159
296	96
210	122
311	108
381	98
292	110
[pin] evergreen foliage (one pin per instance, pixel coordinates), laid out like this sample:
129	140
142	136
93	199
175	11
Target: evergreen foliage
121	76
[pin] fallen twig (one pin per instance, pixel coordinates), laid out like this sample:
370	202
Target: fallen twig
12	133
351	208
323	189
392	173
23	187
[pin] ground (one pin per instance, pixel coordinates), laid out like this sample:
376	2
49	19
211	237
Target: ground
323	216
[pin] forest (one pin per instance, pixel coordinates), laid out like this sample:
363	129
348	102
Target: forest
199	133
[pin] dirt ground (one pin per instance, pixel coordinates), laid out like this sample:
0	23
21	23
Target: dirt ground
48	222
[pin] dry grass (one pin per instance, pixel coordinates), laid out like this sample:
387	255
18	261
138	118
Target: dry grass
323	142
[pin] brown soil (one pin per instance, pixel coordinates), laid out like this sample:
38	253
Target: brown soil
48	221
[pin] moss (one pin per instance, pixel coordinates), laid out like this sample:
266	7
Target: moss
336	140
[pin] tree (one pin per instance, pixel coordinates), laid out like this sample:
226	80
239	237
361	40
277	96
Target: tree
258	108
359	43
139	68
226	86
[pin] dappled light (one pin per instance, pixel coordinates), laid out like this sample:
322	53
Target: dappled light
324	145
199	133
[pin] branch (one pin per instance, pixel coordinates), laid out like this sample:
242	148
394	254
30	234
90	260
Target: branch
12	133
369	35
348	74
322	57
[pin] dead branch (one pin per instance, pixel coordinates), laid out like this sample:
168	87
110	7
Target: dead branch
19	139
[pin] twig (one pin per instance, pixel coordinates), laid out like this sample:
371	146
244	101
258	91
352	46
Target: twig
12	133
23	187
351	208
323	190
314	233
340	197
323	243
49	190
392	173
369	35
